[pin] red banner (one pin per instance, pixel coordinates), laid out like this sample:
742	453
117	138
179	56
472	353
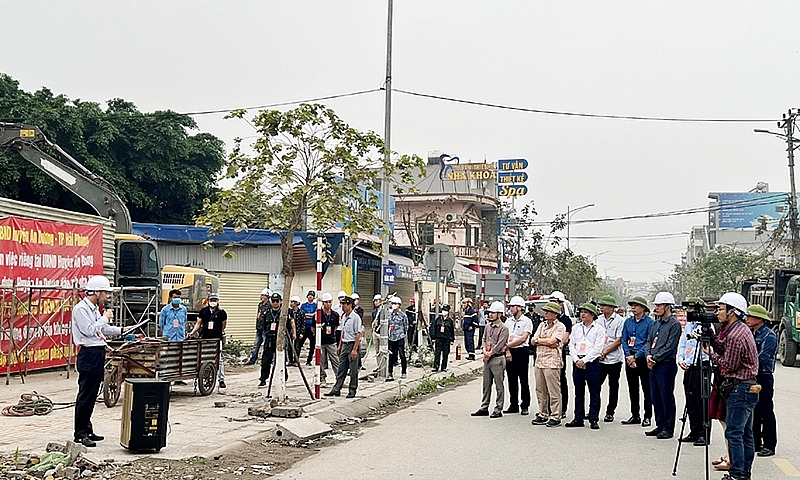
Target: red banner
40	264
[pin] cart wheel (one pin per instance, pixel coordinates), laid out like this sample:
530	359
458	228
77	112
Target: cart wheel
111	386
207	378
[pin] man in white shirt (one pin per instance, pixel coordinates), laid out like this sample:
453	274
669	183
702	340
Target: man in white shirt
585	345
520	329
612	356
89	331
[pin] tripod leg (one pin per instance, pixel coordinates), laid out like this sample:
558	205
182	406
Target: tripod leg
300	368
678	452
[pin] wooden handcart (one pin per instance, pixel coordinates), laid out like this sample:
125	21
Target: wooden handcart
196	359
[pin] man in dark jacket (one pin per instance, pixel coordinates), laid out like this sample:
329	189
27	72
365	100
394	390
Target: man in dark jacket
661	351
444	334
469	325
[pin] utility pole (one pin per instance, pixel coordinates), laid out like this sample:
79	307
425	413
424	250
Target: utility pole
387	140
787	124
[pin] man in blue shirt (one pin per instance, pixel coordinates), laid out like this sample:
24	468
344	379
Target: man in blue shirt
310	310
634	338
692	379
172	319
765	435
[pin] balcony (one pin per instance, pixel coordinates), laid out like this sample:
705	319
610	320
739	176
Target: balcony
476	254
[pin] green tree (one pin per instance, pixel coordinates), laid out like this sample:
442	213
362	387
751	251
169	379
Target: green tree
160	171
309	171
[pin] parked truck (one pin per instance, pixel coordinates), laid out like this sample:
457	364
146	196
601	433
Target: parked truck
780	295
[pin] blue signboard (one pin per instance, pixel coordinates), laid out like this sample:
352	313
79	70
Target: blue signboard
749	210
512	177
511	164
389	274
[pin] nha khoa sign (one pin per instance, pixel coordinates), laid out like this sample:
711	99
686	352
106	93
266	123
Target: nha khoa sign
451	168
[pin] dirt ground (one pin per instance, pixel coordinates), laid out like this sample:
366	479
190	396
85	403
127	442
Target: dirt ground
259	459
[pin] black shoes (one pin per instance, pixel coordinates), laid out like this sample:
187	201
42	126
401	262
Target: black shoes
480	413
495	415
646	422
95	438
511	410
350	395
574	423
539	420
333	394
766	452
86	442
594	425
652	433
700	442
262	384
524	411
553	422
663	435
608	418
222	384
632	421
689	439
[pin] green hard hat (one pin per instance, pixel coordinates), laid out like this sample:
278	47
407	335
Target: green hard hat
589	307
607	300
696	300
758	311
552	307
638	301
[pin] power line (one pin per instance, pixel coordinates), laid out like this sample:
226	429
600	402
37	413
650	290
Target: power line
586	115
632	237
283	104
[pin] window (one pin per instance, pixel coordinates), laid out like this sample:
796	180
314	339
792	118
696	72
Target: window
425	233
476	235
138	259
468	235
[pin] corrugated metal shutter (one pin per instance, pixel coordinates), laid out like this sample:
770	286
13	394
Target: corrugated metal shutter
15	208
366	290
239	296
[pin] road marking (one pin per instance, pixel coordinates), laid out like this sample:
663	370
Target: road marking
786	467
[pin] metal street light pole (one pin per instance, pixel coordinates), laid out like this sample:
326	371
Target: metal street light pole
569	216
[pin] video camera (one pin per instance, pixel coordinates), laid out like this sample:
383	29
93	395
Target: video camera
698	313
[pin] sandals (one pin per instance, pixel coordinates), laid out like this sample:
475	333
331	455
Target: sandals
723	465
717	462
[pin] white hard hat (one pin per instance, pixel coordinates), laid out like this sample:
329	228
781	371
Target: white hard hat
266	292
497	307
394	299
342	293
355	296
327	297
735	300
295	298
559	296
517	301
377	296
98	283
665	298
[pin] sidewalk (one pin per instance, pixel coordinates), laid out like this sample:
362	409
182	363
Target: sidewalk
196	427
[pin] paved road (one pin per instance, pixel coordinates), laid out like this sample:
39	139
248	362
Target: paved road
438	439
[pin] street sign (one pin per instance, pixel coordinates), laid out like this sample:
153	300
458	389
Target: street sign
440	254
524	271
511	164
511	190
389	274
512	177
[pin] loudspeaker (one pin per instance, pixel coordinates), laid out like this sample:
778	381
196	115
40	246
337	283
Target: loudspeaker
145	404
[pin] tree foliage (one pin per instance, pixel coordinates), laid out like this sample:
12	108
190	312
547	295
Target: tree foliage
160	171
309	170
722	270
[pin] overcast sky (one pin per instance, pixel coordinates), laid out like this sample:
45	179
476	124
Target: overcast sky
725	59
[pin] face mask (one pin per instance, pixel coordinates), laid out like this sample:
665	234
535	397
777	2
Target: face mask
395	306
213	304
176	301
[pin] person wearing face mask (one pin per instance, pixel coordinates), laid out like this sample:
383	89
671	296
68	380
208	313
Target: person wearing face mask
172	319
213	321
330	324
398	326
263	305
269	323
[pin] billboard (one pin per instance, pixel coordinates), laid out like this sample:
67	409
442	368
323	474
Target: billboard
40	264
749	210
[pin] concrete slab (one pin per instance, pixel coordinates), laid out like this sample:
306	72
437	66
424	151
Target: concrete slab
300	429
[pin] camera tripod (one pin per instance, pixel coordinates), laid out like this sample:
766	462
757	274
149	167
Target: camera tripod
703	341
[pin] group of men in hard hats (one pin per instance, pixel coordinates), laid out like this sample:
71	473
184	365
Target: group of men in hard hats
651	349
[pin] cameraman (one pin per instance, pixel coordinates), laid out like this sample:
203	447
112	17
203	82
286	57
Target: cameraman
692	376
737	357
